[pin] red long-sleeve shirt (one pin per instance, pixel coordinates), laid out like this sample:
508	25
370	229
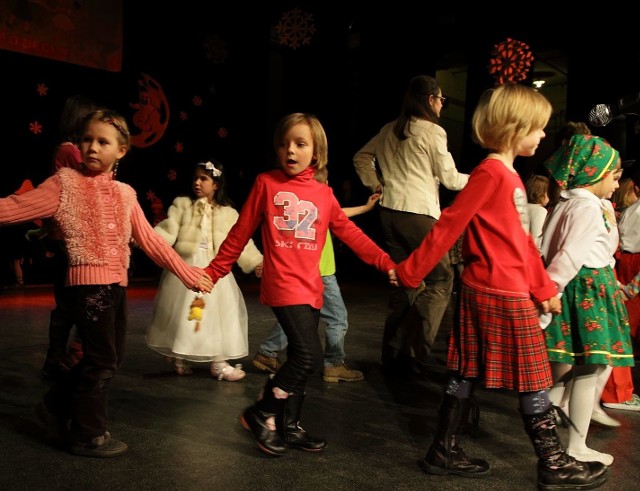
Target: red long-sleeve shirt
295	213
498	252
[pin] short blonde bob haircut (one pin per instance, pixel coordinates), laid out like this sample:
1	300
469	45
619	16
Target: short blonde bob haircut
508	113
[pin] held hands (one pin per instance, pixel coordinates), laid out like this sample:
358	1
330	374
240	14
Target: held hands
258	271
204	284
371	202
393	277
553	306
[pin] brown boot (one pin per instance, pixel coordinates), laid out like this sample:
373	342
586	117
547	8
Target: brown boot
556	468
266	363
342	372
445	455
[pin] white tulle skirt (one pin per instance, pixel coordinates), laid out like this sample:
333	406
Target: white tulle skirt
222	334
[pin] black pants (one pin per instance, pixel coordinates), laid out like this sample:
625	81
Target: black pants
82	394
403	233
304	351
61	320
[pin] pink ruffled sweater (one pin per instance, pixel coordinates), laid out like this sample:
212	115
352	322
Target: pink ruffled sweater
98	216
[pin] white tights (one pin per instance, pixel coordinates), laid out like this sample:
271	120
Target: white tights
582	384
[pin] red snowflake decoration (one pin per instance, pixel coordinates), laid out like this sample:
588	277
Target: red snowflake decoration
511	62
223	133
151	195
197	100
295	28
35	128
184	116
42	89
179	147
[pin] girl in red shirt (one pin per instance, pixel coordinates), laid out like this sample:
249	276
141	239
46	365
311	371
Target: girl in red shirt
295	212
498	335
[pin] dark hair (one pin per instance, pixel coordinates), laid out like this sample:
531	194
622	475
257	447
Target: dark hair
220	195
74	112
537	187
416	104
570	128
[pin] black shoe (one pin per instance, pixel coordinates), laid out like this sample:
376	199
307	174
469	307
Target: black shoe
269	441
101	446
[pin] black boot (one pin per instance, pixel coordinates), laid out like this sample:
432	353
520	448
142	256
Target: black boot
254	419
288	423
445	455
556	468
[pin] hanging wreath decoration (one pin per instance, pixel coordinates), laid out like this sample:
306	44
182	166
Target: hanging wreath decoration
511	61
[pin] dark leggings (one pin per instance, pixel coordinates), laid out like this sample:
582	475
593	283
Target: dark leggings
530	402
304	351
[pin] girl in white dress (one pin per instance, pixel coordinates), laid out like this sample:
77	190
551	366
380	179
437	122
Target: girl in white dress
216	331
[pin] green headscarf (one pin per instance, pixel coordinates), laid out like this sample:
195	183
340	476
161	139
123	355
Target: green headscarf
585	160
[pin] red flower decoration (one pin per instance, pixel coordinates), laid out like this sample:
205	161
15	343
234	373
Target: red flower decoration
511	61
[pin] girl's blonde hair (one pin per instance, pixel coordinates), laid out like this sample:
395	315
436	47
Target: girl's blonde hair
537	188
508	113
114	119
320	145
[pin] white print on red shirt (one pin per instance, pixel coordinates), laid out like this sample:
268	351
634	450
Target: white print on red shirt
298	215
520	200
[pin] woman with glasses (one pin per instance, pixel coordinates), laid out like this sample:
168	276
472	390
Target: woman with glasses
406	161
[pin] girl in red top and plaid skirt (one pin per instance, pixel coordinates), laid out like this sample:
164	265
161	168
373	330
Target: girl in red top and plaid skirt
504	286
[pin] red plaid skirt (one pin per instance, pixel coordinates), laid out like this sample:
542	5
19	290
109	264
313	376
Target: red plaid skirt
499	338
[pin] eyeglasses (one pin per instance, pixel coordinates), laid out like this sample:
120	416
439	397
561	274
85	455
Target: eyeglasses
441	98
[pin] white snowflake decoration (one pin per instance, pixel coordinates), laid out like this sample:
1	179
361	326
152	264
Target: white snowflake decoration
295	28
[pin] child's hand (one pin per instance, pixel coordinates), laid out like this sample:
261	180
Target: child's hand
554	305
258	271
623	295
371	202
393	277
204	284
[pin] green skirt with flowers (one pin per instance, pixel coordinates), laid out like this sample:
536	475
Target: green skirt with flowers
593	328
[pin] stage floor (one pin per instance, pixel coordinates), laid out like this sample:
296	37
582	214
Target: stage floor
183	432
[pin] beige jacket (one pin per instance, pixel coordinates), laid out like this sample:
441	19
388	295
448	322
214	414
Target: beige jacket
409	173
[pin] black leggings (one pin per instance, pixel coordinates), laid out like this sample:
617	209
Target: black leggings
304	351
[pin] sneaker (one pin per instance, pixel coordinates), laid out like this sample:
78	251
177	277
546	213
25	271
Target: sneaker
341	372
101	446
632	405
264	363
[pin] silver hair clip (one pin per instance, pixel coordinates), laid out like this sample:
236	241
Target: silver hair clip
210	167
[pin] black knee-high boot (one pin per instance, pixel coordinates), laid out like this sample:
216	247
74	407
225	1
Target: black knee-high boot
556	468
288	424
445	455
254	419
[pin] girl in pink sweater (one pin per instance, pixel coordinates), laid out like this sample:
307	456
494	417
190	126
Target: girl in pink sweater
98	216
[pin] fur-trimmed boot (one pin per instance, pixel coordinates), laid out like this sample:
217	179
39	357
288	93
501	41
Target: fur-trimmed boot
254	418
445	455
556	468
288	424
